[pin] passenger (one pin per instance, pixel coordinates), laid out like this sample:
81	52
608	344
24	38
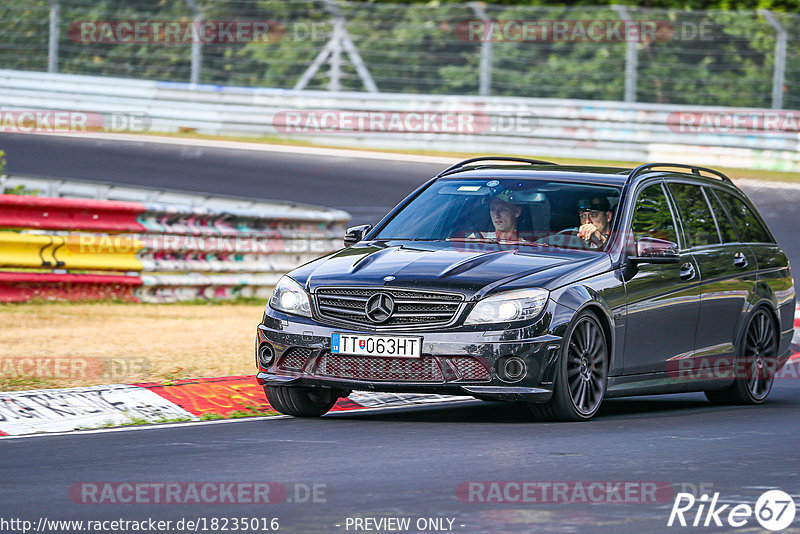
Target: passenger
504	214
596	215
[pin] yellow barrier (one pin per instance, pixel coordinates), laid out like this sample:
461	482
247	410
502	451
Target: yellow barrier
87	251
77	251
25	250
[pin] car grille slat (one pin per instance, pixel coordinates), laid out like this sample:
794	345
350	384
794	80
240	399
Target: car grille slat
412	307
427	302
337	309
362	300
429	314
425	369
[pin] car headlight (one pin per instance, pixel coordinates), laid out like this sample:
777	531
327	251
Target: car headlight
290	297
521	305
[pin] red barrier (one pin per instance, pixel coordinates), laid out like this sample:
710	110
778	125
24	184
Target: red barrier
223	395
21	211
21	287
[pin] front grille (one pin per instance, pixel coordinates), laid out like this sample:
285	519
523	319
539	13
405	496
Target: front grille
470	368
425	369
294	359
417	308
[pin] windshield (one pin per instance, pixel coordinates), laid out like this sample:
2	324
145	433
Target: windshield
516	211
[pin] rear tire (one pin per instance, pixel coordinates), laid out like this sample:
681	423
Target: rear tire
758	361
582	373
301	401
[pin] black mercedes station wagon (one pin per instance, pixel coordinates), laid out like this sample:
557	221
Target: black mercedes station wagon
521	280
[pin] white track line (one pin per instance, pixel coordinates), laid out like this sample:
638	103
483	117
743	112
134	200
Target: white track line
134	428
160	426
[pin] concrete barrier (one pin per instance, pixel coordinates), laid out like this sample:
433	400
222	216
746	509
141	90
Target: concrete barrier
504	125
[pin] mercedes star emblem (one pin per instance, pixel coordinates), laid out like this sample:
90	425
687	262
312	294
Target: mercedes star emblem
379	307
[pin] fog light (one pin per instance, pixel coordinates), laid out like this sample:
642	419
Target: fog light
511	369
265	356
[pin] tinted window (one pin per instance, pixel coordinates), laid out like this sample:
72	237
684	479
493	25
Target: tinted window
652	217
723	221
698	223
749	228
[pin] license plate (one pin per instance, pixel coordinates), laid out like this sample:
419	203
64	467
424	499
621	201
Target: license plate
365	345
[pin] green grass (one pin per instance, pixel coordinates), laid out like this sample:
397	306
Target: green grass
238	414
25	382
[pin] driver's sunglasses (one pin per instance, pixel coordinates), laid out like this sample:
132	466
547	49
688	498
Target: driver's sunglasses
590	213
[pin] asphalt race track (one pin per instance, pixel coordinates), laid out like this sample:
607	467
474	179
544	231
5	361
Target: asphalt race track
408	463
405	462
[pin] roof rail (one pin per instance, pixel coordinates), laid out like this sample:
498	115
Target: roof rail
641	169
458	166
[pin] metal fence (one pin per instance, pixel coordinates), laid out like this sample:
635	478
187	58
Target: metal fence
712	58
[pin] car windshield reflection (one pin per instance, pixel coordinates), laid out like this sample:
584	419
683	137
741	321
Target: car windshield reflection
519	212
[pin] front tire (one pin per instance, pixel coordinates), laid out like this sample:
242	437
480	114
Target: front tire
301	401
757	360
582	374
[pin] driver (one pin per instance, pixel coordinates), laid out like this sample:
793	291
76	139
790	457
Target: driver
595	213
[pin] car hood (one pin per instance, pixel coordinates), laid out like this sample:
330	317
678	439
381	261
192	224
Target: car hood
442	266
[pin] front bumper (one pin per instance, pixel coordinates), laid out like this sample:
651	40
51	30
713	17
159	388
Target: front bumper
453	362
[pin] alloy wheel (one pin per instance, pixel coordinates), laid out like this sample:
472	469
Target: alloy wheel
586	366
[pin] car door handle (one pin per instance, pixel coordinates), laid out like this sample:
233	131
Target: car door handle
740	260
687	271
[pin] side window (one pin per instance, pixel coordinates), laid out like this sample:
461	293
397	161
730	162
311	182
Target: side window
698	223
749	228
652	217
723	221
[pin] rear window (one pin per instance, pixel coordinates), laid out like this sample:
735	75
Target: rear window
747	224
723	221
696	219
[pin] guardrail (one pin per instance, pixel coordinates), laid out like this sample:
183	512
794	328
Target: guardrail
155	251
503	125
70	214
73	251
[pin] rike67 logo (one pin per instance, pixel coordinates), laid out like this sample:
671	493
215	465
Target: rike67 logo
774	510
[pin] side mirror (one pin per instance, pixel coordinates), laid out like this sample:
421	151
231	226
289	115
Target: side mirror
355	234
653	250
